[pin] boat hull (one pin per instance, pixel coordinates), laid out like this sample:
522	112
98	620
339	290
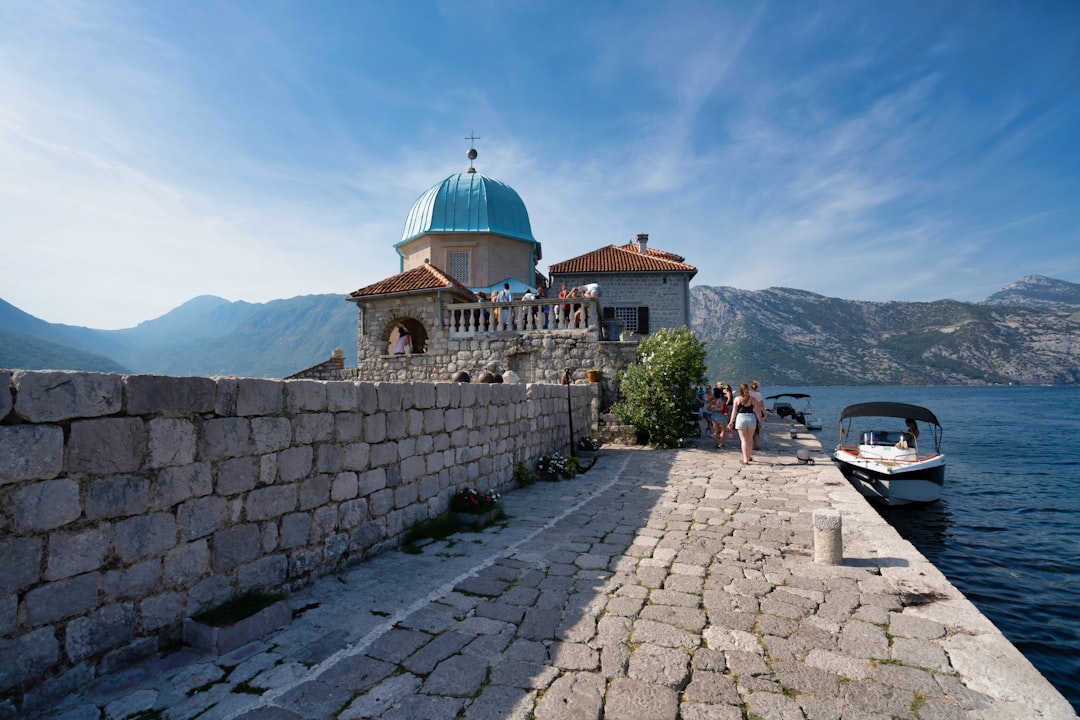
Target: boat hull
913	482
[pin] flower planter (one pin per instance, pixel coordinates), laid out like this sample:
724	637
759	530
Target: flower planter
476	521
225	639
547	475
593	375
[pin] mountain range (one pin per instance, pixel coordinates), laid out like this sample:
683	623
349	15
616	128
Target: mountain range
1026	333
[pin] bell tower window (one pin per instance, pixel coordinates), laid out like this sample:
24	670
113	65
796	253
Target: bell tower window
457	264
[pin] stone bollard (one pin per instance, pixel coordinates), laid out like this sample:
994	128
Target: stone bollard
828	537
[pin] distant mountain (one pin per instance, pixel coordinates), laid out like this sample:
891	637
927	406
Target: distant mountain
792	337
1028	333
205	336
1037	291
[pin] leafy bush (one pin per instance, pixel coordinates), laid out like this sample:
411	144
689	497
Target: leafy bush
558	464
658	389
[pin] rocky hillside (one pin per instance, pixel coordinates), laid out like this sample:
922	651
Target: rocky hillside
791	337
1038	291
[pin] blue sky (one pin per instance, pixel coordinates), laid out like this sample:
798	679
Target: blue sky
155	151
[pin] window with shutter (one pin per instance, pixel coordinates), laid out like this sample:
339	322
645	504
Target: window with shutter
643	320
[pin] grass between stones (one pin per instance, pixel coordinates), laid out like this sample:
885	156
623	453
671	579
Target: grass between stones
240	607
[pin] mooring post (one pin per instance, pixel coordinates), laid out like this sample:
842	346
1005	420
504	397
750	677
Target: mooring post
828	537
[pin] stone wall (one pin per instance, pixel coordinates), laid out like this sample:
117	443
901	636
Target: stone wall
537	357
130	502
667	295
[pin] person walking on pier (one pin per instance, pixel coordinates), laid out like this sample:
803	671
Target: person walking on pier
744	418
716	406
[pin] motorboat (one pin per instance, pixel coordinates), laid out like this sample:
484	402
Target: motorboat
885	463
786	409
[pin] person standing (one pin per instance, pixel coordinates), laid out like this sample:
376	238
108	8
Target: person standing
565	308
759	398
744	418
505	296
716	406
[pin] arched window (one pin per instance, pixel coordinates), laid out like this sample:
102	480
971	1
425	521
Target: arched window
405	336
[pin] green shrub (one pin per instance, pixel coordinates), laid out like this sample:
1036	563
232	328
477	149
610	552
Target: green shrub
658	389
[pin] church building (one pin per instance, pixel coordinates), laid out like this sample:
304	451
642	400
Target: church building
468	237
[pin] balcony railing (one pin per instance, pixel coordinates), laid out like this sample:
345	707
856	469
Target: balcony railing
464	319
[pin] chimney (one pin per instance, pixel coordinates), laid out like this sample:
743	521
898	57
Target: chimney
642	242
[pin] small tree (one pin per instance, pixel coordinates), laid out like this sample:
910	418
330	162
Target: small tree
659	388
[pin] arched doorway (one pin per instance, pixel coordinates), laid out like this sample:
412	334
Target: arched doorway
416	341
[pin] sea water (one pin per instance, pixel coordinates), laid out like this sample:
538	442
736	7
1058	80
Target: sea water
1006	531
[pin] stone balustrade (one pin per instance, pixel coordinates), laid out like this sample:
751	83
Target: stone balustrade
468	319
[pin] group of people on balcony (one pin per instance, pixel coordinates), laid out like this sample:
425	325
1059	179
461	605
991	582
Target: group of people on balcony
572	314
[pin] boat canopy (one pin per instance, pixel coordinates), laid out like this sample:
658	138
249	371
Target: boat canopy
889	409
797	396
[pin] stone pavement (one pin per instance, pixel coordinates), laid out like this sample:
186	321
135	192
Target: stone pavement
675	585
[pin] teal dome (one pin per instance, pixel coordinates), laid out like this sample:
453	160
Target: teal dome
469	202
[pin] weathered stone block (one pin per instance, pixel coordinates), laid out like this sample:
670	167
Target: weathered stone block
117	496
423	395
270	434
330	458
30	452
295	530
305	396
357	457
375	428
325	519
345	486
46	504
381	502
256	396
453	419
134	582
74	553
176	484
406	495
266	572
42	397
385	453
65	598
368	397
225	438
139	537
429	487
433	421
270	502
389	395
28	656
372	481
314	492
186	563
237	475
436	461
341	397
175	396
313	428
172	442
348	427
20	559
353	512
201	516
294	463
161	611
412	469
304	561
235	546
108	445
9	613
397	425
99	631
268	469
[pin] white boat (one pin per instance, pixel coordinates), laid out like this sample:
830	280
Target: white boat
883	461
786	409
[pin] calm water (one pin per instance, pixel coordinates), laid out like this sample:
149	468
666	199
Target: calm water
1007	529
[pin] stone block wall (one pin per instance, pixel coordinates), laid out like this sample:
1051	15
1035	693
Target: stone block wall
667	295
130	502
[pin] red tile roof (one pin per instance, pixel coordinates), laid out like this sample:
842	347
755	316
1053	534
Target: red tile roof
623	258
424	277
